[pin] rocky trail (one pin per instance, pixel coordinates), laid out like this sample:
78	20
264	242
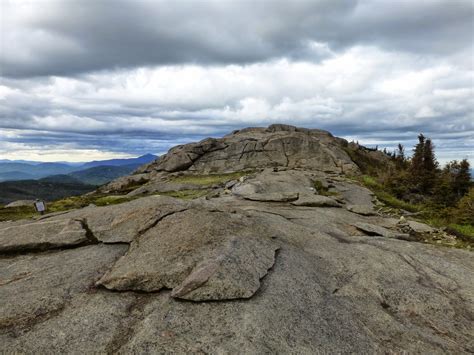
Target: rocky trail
288	256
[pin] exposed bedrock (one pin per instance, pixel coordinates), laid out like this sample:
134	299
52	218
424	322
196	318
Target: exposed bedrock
288	257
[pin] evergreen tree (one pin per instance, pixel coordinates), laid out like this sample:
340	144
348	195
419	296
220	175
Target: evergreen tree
400	158
416	170
462	180
464	212
401	152
429	168
444	195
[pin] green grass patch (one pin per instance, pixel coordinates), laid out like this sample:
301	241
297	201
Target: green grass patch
66	204
75	202
394	202
323	190
69	203
185	194
387	198
112	200
132	185
370	182
16	213
464	229
211	179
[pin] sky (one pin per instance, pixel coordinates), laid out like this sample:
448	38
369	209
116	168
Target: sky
97	79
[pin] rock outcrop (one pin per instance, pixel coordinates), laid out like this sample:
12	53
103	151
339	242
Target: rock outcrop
265	263
255	148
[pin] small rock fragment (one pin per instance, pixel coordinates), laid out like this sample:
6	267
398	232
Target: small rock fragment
309	200
364	210
272	197
418	227
230	184
372	229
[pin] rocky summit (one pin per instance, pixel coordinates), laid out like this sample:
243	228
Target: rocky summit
257	242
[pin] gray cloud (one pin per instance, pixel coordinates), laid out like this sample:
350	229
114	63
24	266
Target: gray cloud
129	77
71	37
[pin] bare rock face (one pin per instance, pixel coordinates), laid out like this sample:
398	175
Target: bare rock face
124	222
375	230
277	145
364	210
268	265
38	286
200	254
418	227
315	201
42	235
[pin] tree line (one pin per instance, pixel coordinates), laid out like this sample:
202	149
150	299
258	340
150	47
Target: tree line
420	179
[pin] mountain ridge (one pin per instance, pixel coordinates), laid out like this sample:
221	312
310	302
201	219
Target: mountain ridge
272	247
25	171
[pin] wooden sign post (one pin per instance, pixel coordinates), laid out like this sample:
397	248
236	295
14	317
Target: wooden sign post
40	206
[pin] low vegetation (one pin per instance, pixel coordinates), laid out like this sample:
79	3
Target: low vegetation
442	197
15	213
66	204
323	190
100	199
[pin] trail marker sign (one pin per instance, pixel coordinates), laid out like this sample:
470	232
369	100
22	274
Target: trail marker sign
40	206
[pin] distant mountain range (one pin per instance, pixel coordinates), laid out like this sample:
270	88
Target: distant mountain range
103	171
144	159
48	189
99	175
52	181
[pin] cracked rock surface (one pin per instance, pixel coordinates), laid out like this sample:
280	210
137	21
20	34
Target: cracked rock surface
200	254
35	286
230	274
42	235
124	222
277	145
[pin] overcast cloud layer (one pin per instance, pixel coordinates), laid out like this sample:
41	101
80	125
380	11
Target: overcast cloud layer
86	80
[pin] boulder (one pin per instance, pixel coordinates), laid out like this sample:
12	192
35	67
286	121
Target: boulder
20	203
124	183
230	184
272	196
269	185
282	145
42	235
315	201
364	210
419	227
201	255
372	229
354	194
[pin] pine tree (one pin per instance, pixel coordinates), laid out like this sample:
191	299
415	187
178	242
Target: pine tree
464	212
416	170
462	180
401	152
444	195
429	168
400	158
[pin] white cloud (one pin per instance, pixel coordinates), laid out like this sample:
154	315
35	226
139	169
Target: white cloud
149	77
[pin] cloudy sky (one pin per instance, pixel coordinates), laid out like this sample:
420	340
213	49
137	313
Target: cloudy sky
95	79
